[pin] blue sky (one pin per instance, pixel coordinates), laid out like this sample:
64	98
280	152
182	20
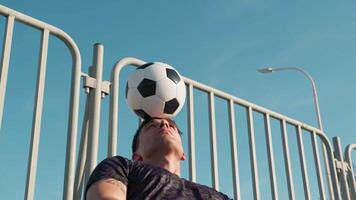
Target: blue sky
218	43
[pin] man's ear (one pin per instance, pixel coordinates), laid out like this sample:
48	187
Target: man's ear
136	157
183	157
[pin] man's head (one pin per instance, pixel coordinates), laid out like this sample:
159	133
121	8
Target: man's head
157	136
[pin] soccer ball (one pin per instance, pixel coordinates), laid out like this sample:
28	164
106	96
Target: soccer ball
155	90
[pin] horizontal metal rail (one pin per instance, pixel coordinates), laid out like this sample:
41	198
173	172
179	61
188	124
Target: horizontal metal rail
255	107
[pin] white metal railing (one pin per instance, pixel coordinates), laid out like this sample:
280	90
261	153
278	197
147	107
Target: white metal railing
250	109
97	88
46	30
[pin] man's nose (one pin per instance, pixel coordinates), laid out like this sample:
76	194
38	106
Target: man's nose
164	123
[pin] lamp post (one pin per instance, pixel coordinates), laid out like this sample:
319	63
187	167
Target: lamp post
316	102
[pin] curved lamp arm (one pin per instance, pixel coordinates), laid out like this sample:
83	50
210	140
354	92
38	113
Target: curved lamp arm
316	101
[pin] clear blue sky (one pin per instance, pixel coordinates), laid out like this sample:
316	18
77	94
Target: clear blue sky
218	43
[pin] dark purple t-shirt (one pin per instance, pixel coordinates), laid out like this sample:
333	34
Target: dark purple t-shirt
144	181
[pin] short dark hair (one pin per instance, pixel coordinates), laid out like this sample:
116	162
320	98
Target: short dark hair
135	140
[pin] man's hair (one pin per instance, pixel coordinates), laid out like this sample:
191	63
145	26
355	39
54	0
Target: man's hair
135	141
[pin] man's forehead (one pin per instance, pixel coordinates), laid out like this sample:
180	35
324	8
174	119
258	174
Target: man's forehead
147	121
158	119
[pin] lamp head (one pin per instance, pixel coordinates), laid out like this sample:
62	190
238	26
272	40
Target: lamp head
265	70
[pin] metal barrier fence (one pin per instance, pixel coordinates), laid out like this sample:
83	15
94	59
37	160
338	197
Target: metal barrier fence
334	179
334	192
46	30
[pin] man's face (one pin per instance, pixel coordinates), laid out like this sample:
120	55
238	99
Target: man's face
160	136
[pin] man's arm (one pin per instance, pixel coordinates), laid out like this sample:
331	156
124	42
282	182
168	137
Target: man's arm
107	189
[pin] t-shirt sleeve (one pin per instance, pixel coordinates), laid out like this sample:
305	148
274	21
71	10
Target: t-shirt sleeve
115	167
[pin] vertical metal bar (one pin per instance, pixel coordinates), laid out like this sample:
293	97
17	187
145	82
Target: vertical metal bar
79	177
328	174
270	154
345	192
113	118
82	155
287	163
5	62
303	163
332	169
95	117
112	138
253	156
37	117
191	136
351	174
69	173
213	146
87	170
233	146
317	166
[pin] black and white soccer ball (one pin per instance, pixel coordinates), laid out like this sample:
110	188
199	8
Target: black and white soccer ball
155	90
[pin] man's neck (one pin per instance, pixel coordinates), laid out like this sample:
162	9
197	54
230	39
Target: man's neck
168	162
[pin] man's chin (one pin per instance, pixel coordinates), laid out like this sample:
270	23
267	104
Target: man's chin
165	132
166	146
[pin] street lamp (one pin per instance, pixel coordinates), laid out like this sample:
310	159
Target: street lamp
316	102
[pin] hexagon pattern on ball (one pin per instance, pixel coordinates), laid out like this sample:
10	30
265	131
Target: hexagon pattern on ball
171	106
142	114
155	90
147	87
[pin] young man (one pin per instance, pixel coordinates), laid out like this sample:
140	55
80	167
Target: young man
153	172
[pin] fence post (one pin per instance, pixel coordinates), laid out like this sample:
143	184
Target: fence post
341	167
350	174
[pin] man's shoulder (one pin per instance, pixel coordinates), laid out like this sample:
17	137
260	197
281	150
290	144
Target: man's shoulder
118	158
112	167
116	167
206	190
115	160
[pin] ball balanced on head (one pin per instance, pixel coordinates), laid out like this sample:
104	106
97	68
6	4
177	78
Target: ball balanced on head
155	90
